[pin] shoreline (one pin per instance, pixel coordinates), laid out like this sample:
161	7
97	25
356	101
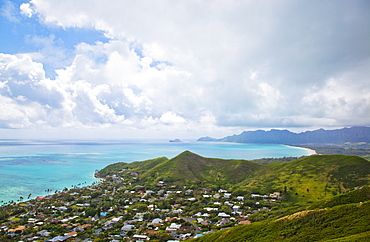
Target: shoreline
77	161
311	151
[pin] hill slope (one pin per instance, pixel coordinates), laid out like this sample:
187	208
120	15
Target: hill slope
315	180
309	179
186	168
345	222
190	168
114	169
312	178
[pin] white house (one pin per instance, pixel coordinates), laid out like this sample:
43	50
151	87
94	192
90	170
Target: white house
223	215
142	237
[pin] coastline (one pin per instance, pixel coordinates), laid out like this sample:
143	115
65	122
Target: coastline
55	167
311	151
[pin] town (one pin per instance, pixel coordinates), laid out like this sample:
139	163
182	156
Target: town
118	210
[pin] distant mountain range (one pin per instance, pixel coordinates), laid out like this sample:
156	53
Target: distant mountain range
320	136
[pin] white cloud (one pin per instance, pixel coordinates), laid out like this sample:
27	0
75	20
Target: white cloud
196	65
342	97
26	10
50	51
270	97
171	118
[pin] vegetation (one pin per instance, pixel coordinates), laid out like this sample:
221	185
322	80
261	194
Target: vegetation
312	178
315	198
305	180
134	166
361	149
312	225
187	169
266	161
356	196
345	222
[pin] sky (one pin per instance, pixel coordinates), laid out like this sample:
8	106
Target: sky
119	69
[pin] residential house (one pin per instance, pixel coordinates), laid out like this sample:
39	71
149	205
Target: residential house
140	237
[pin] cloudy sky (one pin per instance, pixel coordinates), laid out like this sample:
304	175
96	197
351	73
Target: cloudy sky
181	69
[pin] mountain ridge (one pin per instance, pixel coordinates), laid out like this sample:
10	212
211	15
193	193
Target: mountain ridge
320	136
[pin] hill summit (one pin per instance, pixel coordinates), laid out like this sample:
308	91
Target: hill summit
308	179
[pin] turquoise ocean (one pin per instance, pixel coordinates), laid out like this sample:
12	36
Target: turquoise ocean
34	167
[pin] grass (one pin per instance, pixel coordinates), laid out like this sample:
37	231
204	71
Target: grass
322	181
314	225
312	178
302	181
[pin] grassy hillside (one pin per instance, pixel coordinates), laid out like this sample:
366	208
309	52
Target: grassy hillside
345	222
134	166
186	169
302	181
356	196
325	182
312	178
190	168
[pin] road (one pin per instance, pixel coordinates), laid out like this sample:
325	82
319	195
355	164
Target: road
191	220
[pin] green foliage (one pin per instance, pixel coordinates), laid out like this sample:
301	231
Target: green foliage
361	237
313	178
90	212
112	169
311	225
358	195
186	168
303	181
266	161
337	211
324	181
132	167
189	168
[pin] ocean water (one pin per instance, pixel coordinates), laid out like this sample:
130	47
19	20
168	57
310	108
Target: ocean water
36	168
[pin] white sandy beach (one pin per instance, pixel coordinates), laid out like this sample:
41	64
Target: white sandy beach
311	151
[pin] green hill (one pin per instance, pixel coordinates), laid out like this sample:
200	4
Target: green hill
312	178
309	179
188	186
337	211
344	222
190	168
186	169
355	196
137	166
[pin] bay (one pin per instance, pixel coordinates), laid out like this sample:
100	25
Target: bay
37	168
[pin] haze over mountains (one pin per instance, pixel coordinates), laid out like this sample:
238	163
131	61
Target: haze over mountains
320	136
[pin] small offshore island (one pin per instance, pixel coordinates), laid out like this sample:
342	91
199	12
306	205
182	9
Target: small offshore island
175	141
204	199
